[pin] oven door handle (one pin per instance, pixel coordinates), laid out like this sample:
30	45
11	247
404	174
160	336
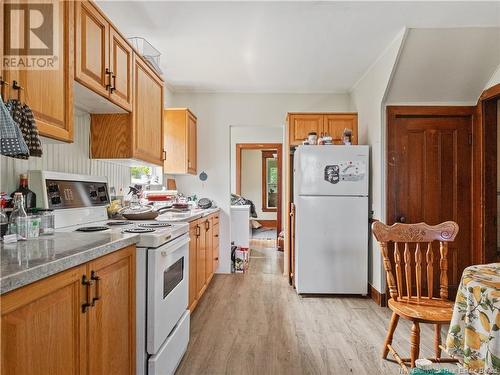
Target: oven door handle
175	245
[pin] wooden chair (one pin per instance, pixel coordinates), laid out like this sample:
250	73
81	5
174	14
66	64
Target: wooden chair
414	241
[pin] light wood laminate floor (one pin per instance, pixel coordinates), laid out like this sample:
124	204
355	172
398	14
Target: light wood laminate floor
255	323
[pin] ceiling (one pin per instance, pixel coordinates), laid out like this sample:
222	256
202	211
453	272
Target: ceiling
280	47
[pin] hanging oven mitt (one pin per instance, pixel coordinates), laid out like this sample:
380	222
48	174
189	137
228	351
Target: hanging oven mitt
23	116
11	139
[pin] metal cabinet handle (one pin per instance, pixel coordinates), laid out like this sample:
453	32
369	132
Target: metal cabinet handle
113	88
198	230
110	74
164	155
216	235
207	225
97	279
401	219
87	283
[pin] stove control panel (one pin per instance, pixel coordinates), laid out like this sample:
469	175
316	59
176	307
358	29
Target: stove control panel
76	194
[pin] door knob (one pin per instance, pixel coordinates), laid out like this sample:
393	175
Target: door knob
401	219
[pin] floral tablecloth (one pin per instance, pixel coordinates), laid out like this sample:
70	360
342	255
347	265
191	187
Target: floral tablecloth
474	334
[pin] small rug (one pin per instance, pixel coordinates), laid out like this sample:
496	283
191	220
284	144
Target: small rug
264	233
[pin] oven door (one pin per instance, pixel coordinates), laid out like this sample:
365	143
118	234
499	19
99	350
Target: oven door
167	290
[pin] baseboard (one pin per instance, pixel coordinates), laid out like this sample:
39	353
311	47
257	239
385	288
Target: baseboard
379	298
267	223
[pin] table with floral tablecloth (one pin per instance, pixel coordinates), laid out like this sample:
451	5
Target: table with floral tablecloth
474	334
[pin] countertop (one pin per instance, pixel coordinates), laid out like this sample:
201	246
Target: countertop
25	262
187	217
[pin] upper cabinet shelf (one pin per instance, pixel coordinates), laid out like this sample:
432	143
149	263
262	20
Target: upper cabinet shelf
332	124
180	141
49	93
103	59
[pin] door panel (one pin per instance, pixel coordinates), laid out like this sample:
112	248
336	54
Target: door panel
120	61
335	124
193	261
49	92
92	47
148	114
43	328
201	260
112	318
209	260
429	176
192	144
302	125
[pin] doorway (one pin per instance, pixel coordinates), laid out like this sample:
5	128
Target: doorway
259	179
429	173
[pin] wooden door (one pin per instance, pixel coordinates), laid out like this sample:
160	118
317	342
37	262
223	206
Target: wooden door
120	64
92	48
429	173
193	261
148	114
192	144
49	93
209	260
335	124
300	125
43	328
111	340
201	259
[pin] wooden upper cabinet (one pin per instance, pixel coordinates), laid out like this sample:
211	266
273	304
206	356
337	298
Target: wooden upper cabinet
49	93
43	329
335	124
112	318
120	63
180	141
92	48
303	124
332	124
148	114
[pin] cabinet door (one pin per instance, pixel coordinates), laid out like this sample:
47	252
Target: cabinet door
193	295
49	92
209	261
201	260
43	328
335	124
302	124
120	64
215	246
192	144
111	341
148	114
92	48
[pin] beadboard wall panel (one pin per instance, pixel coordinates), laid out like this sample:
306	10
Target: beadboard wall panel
69	158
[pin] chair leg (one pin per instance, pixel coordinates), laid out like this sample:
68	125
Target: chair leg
437	340
414	343
390	334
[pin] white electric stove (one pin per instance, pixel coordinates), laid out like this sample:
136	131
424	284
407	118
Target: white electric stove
162	263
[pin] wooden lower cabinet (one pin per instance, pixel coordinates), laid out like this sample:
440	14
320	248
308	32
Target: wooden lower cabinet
44	329
112	318
203	256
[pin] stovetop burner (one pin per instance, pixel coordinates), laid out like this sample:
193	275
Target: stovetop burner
139	230
155	225
118	222
92	229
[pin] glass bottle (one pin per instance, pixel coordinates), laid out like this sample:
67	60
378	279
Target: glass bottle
4	221
29	196
17	213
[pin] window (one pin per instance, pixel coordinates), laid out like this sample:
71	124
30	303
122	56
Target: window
146	175
269	181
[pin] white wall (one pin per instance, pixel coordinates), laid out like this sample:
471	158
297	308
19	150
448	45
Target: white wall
445	66
65	157
367	98
494	80
216	113
251	181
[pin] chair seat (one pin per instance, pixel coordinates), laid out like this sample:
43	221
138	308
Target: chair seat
426	310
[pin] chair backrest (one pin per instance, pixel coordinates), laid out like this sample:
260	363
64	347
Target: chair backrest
417	239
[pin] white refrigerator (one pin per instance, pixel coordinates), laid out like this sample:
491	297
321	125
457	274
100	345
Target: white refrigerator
331	219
